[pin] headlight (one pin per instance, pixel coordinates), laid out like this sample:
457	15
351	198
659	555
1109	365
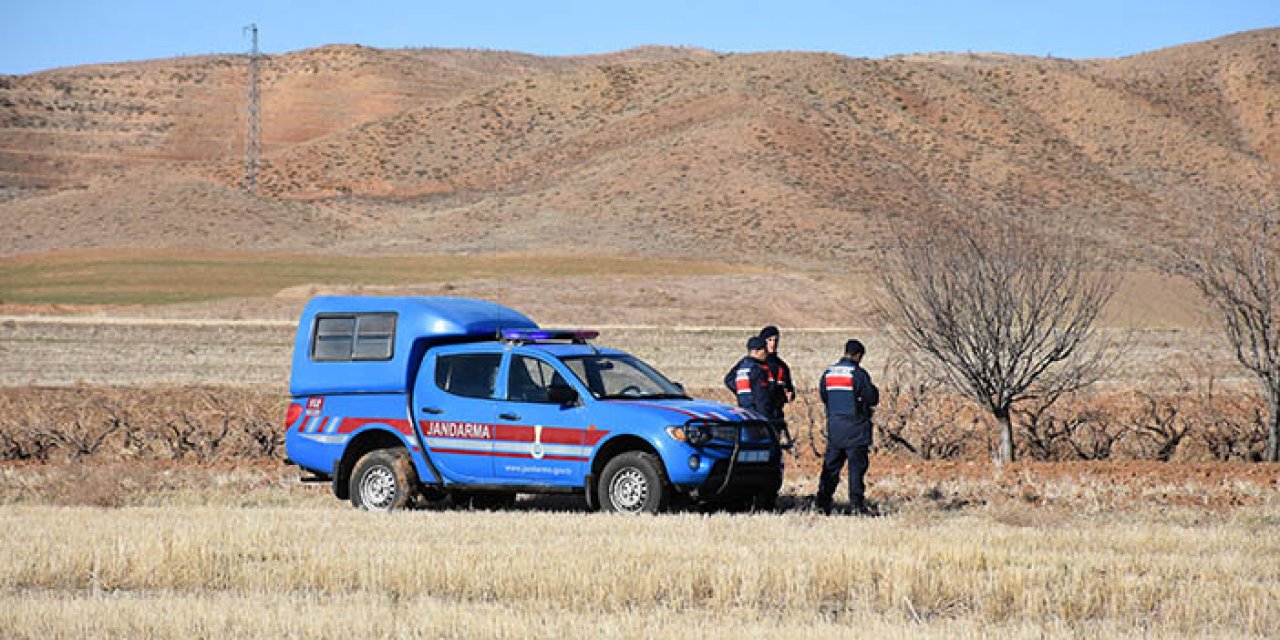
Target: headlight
693	434
697	434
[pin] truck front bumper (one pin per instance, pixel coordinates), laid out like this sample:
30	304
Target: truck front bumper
725	481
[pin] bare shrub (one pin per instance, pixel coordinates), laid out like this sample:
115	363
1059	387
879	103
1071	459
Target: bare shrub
1231	425
1095	435
1159	425
808	410
1044	433
916	416
198	429
1072	427
81	426
25	443
1236	433
27	432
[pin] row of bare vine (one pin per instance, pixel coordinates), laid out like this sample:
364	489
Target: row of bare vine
181	423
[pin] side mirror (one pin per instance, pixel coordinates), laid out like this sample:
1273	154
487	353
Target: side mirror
561	394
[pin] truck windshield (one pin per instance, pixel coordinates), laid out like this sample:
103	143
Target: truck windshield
621	377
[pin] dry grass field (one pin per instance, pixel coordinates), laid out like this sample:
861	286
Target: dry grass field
246	553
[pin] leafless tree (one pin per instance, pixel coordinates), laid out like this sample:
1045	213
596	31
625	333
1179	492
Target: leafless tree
1005	316
1237	268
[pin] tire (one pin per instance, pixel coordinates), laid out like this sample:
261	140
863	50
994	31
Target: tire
634	482
384	480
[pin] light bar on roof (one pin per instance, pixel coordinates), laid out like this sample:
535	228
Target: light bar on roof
533	335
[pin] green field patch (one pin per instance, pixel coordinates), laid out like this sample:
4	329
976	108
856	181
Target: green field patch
119	277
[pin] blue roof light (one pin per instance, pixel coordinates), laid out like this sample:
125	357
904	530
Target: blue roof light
533	335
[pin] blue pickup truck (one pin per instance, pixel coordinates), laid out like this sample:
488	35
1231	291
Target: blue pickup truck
402	400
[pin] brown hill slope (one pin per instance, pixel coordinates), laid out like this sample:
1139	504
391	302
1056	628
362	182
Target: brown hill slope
805	157
70	125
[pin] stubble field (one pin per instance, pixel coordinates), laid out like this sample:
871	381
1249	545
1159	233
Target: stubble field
154	541
249	555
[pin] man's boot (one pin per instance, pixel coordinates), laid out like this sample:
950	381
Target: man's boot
823	505
858	507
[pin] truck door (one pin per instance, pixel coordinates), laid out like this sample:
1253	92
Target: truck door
454	403
538	441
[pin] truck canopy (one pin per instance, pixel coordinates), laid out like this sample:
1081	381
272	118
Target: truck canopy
367	344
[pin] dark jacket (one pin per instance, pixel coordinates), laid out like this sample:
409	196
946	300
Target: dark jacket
750	381
782	385
850	396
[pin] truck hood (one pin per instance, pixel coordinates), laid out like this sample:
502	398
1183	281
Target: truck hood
681	411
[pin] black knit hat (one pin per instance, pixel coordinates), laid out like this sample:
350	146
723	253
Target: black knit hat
854	348
768	332
755	342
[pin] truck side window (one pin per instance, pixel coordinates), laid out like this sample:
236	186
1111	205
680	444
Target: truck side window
529	379
375	333
334	337
471	375
361	336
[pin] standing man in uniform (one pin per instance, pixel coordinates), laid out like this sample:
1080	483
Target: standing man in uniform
750	381
783	389
849	395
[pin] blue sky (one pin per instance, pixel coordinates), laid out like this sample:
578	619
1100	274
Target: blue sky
37	35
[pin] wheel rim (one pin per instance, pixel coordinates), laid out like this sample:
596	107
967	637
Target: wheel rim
378	488
629	490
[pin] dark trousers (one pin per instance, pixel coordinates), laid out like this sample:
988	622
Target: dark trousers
780	426
830	479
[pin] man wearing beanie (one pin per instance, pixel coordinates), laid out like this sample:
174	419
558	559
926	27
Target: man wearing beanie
849	395
783	389
749	379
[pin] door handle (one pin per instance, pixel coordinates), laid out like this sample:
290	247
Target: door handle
509	416
435	411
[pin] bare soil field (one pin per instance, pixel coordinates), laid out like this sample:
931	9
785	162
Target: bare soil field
43	351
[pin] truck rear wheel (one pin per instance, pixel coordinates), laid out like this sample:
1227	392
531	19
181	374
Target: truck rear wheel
634	482
383	480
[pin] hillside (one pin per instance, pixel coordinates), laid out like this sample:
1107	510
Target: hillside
808	158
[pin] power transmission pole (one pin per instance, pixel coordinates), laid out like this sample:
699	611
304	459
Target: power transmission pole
253	141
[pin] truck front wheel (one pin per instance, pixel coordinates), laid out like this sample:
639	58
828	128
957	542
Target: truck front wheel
383	480
633	482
